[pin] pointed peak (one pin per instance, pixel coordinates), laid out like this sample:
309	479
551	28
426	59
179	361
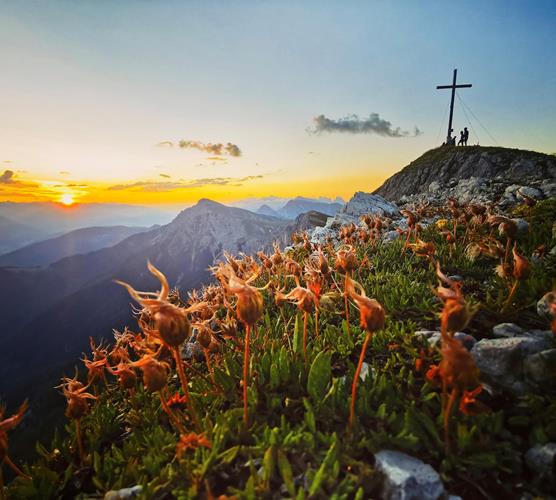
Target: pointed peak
205	202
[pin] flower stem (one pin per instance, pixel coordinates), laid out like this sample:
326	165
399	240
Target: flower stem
15	468
79	441
346	303
510	296
305	316
447	414
356	379
184	385
317	323
246	374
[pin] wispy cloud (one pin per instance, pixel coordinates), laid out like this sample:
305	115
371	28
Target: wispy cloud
217	149
7	177
163	186
166	176
352	124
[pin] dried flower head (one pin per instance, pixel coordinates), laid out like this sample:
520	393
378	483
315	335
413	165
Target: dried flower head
170	321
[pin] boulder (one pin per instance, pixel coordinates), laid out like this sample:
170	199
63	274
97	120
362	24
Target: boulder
507	330
541	462
366	203
543	305
433	338
540	368
502	360
407	478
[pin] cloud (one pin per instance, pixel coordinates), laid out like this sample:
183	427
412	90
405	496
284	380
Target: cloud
216	158
216	149
352	124
64	172
7	177
163	186
166	176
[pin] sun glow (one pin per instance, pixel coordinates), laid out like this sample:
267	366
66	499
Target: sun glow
67	199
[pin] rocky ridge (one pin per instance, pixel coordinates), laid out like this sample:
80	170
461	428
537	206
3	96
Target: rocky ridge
474	173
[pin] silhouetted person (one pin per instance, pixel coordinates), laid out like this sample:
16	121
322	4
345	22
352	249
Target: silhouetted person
465	135
461	141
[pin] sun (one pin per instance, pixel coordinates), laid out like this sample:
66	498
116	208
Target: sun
67	199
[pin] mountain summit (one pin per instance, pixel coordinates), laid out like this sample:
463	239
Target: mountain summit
473	172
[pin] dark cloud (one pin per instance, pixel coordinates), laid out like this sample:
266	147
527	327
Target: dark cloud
166	176
162	186
216	149
7	177
352	124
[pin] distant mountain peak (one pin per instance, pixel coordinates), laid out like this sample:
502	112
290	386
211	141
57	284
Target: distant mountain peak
206	202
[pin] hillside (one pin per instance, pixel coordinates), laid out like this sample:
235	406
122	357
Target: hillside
15	234
491	170
490	439
75	242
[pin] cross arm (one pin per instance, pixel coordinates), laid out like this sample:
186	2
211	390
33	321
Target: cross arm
462	86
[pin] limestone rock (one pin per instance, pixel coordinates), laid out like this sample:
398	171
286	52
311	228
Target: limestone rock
502	360
541	461
407	478
366	203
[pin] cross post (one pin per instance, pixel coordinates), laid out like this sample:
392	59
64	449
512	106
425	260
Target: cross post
453	87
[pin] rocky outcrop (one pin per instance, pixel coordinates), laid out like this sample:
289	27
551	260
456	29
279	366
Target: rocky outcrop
360	204
474	173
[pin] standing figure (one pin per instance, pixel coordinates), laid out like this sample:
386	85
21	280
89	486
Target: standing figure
465	134
461	141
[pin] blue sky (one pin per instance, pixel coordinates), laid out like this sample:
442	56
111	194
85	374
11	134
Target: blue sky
90	88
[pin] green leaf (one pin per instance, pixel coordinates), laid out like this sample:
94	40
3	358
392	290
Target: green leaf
326	465
319	376
286	472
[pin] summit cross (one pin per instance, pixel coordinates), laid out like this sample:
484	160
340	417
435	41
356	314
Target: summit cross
453	87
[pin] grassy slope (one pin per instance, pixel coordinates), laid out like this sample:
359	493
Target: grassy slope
297	443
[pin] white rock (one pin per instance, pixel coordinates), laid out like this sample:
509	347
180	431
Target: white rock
541	461
501	360
407	478
366	203
531	192
507	330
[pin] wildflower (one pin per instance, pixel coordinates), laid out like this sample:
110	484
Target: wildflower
346	261
155	373
249	308
457	369
521	271
7	425
372	319
173	327
442	224
176	400
77	406
126	375
468	400
307	302
191	441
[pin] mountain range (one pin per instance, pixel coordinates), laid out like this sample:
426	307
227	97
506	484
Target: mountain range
75	242
300	205
24	223
48	313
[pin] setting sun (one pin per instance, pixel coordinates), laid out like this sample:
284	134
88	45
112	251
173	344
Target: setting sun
67	199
